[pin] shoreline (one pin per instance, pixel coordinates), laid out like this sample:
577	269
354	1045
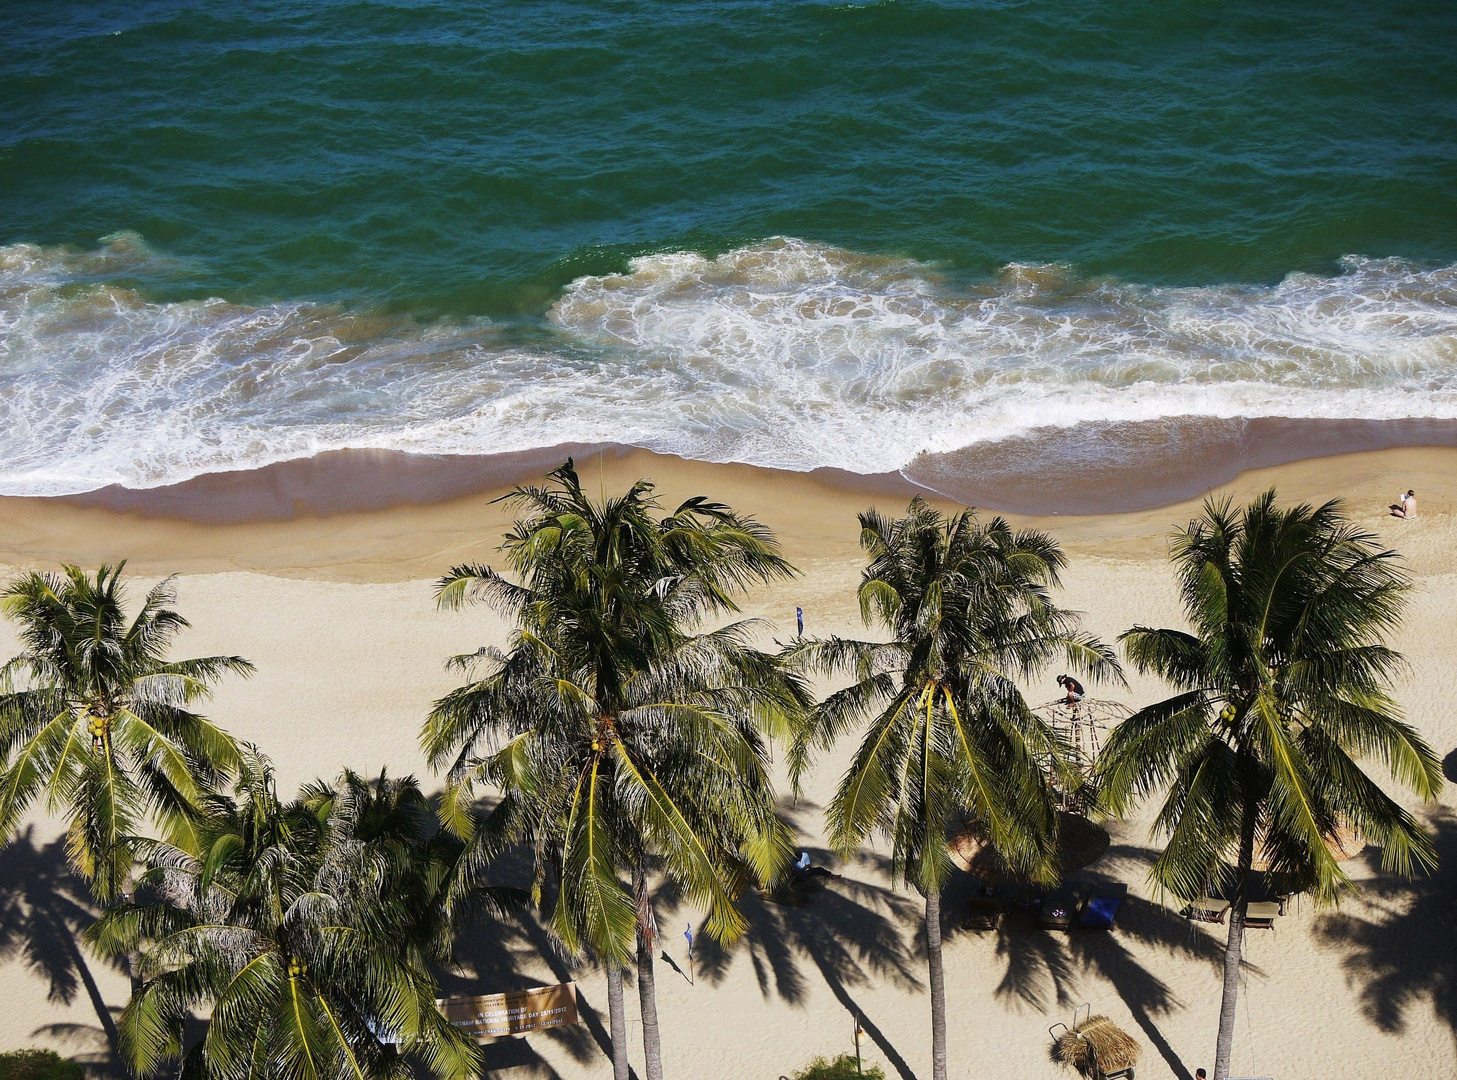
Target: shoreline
339	518
1089	468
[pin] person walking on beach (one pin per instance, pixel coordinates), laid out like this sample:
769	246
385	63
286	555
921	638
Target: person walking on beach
1407	508
1074	689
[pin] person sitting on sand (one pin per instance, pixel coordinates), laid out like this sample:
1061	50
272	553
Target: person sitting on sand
1407	507
1074	689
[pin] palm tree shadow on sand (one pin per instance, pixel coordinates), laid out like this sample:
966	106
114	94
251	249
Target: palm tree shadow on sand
853	933
1401	952
849	931
1044	969
44	908
495	954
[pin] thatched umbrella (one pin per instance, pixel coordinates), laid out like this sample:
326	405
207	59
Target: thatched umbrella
1096	1046
1080	843
1345	843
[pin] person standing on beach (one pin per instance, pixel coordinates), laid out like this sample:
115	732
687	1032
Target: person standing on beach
799	620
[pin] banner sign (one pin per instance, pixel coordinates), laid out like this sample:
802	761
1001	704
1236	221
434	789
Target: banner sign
512	1013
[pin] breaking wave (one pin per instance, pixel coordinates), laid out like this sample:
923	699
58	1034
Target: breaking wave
783	353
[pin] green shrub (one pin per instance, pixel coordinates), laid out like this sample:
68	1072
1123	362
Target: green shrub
38	1065
841	1068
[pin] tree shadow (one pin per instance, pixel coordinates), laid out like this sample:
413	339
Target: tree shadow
494	954
850	932
44	908
1403	951
1046	968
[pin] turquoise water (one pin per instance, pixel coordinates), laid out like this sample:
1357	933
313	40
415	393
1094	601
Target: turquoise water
234	233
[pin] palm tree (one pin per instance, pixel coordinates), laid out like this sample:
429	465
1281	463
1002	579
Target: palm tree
307	931
93	714
623	743
948	733
1283	685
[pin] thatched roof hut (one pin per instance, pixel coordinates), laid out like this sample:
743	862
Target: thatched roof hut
1079	843
1096	1046
1343	844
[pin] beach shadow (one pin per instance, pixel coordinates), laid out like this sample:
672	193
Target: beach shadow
1045	969
44	908
1155	927
1449	767
850	933
493	954
1402	953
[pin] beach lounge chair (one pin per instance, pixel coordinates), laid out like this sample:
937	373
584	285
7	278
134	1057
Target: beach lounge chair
1022	896
1102	905
1057	910
1207	909
984	912
1261	915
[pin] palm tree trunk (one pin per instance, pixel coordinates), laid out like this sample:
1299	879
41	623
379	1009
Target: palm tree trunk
647	991
938	985
1234	946
617	1021
133	958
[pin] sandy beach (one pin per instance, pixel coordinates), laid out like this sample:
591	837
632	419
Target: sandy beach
336	612
292	297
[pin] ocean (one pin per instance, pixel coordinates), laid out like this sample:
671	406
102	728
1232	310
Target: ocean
871	237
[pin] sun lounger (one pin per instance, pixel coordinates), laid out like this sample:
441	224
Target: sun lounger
1207	909
1261	915
983	913
1022	896
1102	906
1057	910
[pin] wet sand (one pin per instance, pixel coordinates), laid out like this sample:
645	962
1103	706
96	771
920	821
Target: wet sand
1089	469
335	609
1102	468
367	516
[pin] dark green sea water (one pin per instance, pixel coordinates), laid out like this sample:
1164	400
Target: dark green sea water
386	203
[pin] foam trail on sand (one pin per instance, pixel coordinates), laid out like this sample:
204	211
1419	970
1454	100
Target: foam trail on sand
782	353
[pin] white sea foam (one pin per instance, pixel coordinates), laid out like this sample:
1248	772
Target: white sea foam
783	353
